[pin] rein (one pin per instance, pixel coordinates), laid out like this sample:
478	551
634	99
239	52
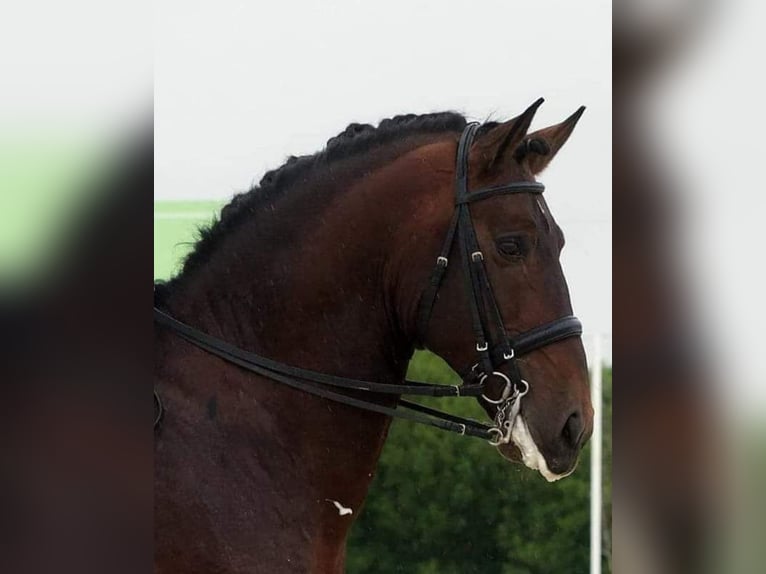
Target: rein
492	355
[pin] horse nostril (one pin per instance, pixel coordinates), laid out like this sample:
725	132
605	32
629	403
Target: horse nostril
573	429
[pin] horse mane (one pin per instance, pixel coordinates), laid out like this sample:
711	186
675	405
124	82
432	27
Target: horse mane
357	139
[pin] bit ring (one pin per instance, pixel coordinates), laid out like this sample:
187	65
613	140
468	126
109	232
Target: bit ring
506	390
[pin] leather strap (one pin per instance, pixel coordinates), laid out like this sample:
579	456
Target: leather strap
486	317
506	189
485	314
221	348
306	381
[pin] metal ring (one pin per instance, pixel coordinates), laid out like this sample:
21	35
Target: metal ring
526	389
506	390
475	253
500	436
441	260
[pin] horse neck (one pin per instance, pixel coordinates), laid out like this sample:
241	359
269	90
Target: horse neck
327	301
318	296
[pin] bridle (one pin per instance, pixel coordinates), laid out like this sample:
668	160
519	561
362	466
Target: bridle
498	351
495	349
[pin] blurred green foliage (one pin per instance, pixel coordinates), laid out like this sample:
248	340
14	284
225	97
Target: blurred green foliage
446	504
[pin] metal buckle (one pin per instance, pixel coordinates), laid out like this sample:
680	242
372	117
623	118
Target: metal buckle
441	260
482	348
506	390
507	357
477	255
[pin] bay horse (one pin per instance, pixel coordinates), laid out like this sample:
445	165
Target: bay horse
327	267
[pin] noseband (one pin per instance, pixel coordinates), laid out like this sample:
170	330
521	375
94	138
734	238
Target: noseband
496	351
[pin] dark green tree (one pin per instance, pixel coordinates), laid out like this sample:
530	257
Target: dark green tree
447	504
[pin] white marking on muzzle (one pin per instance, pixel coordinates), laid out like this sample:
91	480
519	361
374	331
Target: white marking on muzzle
530	454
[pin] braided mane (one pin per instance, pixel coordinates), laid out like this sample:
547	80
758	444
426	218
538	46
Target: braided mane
357	139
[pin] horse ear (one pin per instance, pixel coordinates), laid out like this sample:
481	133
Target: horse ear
539	148
504	138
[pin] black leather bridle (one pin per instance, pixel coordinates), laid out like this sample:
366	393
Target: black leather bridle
495	349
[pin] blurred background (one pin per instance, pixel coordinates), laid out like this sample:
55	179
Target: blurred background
688	284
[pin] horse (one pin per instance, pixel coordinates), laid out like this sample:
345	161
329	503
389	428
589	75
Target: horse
327	267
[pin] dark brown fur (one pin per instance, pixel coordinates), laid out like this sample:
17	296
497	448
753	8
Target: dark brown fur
328	277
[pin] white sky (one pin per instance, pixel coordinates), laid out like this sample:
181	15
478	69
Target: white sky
238	86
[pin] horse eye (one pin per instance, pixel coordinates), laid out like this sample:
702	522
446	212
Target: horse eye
510	247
